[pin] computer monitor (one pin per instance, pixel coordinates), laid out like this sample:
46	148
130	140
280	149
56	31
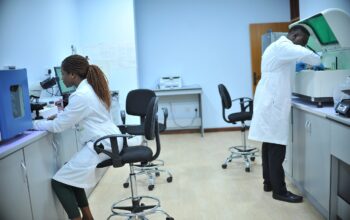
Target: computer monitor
63	88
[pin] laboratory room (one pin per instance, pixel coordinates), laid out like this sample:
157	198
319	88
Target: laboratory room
174	109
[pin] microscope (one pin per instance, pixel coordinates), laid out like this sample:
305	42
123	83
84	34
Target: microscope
36	106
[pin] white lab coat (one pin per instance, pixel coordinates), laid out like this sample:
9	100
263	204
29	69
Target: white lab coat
272	100
92	120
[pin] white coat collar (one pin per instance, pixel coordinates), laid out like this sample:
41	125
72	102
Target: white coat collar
82	84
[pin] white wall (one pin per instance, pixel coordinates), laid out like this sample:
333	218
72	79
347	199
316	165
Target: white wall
204	41
36	34
311	7
107	36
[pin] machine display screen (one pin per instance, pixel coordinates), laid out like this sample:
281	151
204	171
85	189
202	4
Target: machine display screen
63	88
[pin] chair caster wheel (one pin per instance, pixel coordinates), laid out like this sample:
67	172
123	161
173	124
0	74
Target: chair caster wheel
157	174
169	218
224	166
247	169
150	187
125	185
252	159
169	179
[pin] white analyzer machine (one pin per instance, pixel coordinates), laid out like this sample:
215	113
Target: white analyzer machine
329	36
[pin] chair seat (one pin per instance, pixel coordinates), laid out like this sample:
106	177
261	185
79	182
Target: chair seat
136	154
240	116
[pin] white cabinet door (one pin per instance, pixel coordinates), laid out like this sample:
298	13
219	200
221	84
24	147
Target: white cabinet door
317	159
14	196
41	157
299	130
287	163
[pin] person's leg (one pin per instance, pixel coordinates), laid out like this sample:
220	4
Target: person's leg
67	198
265	166
83	203
276	156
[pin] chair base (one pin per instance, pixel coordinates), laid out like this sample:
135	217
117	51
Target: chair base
138	210
247	153
151	170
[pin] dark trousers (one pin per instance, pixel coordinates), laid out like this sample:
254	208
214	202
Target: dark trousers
70	197
273	172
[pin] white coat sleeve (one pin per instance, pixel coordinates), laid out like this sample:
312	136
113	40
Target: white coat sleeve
299	53
74	112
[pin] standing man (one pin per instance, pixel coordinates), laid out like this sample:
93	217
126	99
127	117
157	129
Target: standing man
272	106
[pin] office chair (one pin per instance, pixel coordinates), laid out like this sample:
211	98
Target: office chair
131	155
136	104
244	151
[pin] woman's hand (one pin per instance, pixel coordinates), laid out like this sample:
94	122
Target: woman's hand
52	117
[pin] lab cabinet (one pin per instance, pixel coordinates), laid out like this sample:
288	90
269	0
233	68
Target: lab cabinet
311	156
340	144
287	163
41	161
14	195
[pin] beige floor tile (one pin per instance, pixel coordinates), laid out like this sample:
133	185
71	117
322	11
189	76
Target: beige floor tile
201	189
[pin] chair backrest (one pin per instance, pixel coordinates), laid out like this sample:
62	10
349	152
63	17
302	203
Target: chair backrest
151	118
137	101
225	97
152	126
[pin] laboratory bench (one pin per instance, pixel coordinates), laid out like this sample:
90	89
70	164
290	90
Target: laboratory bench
27	164
318	157
185	97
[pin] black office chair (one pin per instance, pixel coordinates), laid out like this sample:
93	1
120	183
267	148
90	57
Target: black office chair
131	155
136	105
244	151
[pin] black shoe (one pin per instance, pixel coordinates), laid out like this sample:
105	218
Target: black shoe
267	188
288	197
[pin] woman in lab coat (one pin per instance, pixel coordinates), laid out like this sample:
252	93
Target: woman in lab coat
272	105
89	110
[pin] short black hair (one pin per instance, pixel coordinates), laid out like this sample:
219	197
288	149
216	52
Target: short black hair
301	28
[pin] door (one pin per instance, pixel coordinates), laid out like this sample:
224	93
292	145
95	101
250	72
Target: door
41	160
14	195
256	31
299	142
317	159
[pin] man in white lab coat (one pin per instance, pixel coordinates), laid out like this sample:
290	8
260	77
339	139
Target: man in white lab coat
272	106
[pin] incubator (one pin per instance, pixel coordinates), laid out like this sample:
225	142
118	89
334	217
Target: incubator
329	37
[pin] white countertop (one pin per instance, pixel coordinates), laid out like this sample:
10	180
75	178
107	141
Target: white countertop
326	111
17	143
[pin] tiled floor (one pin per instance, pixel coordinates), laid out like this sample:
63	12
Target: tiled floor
201	189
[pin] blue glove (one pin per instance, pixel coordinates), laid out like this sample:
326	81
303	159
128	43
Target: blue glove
300	66
318	67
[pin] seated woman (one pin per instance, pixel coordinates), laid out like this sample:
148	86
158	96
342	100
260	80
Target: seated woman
89	110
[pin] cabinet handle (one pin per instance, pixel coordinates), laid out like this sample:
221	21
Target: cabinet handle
24	171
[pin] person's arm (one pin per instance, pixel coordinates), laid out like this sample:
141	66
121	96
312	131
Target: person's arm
74	112
299	53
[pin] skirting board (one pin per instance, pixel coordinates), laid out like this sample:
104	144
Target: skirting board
185	131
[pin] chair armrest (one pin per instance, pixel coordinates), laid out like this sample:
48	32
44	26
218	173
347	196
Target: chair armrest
122	116
114	155
165	113
243	101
